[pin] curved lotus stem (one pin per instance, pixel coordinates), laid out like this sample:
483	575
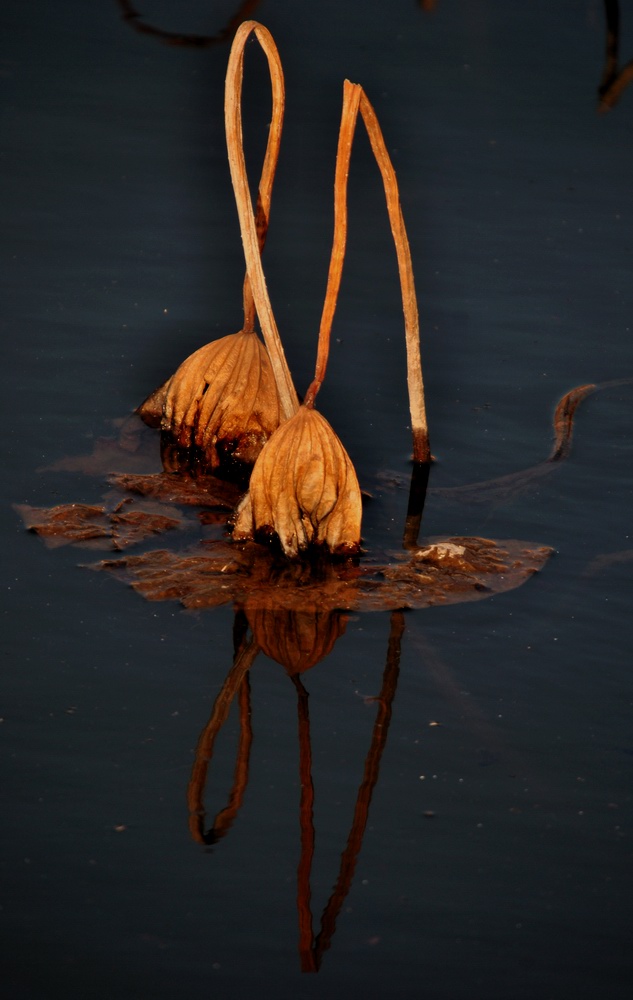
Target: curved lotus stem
355	99
271	158
248	226
351	101
419	427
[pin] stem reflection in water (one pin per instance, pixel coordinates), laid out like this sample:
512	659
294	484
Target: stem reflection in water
311	946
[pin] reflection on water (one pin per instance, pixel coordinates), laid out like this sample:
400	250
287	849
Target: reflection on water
298	641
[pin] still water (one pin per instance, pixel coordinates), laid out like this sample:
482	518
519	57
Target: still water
470	765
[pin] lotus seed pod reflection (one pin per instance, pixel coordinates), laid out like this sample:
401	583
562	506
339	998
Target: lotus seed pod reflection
296	639
304	490
222	400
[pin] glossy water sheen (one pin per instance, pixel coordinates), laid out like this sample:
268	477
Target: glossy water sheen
496	858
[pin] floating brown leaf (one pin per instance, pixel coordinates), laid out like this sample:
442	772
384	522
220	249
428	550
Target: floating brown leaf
303	490
444	571
96	527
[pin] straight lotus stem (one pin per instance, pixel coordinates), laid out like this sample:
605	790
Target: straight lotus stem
419	427
351	101
417	496
233	125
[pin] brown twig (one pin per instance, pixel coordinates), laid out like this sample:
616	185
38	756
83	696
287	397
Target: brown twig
248	226
224	819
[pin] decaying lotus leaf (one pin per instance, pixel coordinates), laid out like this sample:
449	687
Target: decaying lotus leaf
296	639
303	489
96	527
222	400
444	571
207	491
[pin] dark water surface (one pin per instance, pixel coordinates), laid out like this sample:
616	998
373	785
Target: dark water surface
496	858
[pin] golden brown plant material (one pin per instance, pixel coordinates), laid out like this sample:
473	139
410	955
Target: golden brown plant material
222	401
355	100
303	490
250	227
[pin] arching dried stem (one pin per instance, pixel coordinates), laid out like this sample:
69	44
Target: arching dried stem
248	226
271	158
355	99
